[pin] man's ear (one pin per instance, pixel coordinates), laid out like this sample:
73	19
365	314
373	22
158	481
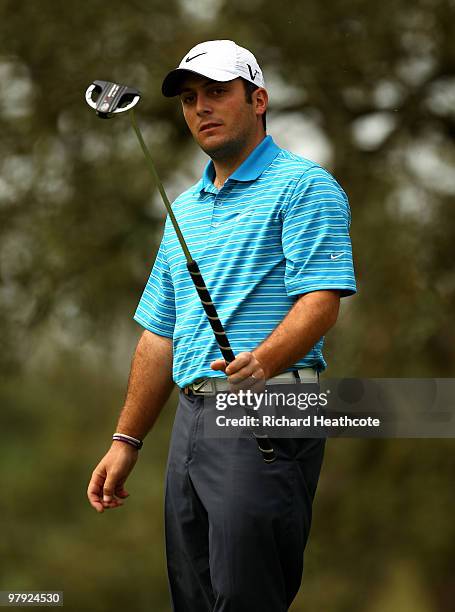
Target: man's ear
260	100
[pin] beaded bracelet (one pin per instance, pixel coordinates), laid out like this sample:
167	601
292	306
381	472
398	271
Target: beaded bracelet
128	439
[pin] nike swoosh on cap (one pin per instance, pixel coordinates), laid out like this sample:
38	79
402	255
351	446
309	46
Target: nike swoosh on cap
188	59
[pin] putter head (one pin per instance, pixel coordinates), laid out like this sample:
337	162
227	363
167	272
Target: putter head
111	98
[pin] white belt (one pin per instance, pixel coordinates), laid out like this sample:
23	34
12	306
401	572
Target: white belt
210	386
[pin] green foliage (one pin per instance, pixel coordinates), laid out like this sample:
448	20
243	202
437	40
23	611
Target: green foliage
54	429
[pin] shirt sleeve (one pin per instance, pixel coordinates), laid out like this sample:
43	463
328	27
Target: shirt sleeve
156	308
315	236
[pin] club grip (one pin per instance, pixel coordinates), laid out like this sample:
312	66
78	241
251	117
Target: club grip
210	311
262	440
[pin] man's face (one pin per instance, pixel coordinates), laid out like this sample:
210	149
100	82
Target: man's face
218	115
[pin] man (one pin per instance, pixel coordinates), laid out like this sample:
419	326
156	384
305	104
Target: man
270	233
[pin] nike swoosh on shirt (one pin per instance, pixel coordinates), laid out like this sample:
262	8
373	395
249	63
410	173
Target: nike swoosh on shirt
188	59
332	256
244	214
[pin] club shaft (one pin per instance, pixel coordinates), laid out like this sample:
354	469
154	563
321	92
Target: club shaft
154	173
193	268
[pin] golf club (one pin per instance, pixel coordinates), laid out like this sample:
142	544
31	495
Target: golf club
110	100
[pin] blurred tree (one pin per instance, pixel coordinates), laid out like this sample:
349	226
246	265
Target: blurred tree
377	80
78	218
79	226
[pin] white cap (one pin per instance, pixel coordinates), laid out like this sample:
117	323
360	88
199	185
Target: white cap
220	60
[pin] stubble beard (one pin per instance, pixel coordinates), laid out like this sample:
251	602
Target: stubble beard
228	149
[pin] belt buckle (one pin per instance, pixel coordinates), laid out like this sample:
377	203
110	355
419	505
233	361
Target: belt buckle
198	387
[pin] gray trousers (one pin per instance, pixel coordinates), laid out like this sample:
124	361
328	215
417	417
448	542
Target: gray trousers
236	527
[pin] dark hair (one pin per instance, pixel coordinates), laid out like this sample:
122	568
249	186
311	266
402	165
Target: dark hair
249	88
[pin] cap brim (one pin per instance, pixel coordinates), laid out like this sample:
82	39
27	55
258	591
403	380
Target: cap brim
172	83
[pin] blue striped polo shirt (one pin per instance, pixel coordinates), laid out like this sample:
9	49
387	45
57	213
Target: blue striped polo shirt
278	228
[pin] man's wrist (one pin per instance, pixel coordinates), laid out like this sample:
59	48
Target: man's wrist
266	372
127	439
124	448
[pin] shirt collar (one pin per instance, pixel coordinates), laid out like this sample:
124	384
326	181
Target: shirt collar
251	169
